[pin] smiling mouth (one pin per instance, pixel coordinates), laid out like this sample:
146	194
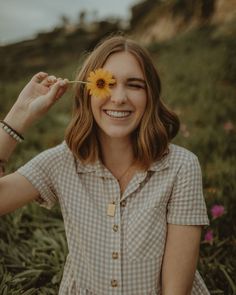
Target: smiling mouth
118	114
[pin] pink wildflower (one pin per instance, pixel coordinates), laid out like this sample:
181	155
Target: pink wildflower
217	211
184	130
208	238
228	126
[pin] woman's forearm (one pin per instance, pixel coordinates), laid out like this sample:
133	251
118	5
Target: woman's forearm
180	259
7	142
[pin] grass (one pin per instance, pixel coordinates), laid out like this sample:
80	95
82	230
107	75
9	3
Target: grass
198	73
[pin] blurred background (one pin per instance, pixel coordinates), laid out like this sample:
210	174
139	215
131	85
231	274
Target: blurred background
193	44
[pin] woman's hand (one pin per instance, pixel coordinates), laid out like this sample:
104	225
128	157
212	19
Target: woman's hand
35	100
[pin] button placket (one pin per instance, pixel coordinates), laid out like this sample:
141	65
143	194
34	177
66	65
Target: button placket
123	203
115	245
115	255
115	227
114	283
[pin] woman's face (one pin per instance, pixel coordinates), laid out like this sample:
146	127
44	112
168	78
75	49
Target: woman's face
119	114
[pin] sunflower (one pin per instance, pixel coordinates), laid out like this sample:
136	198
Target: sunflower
99	82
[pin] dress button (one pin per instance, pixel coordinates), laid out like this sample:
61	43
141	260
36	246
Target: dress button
115	255
123	203
115	227
114	283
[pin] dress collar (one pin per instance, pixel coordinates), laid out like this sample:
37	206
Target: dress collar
100	170
97	167
163	163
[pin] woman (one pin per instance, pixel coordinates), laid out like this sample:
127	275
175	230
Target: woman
131	201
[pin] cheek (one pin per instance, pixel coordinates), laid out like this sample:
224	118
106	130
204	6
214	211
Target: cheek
141	104
94	105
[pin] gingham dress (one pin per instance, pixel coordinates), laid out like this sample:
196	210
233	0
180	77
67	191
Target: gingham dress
120	254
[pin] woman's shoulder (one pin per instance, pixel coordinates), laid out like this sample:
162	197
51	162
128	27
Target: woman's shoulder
180	156
54	154
177	152
176	157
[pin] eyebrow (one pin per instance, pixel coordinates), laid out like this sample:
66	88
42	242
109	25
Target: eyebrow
136	79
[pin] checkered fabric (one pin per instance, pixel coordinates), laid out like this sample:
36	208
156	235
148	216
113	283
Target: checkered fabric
120	254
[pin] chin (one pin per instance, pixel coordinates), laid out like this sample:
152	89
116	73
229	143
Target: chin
117	134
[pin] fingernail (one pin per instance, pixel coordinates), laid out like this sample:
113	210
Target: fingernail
51	79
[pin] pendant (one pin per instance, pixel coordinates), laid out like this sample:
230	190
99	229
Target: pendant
111	208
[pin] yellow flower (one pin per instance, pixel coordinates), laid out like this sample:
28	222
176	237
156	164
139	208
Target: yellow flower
99	82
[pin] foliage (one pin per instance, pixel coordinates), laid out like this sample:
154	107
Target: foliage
198	82
32	250
197	70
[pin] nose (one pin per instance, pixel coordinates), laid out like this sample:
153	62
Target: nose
118	94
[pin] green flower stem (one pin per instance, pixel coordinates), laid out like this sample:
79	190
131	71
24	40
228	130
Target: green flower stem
77	81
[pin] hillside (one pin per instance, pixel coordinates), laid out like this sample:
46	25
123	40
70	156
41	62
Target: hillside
164	20
51	50
151	21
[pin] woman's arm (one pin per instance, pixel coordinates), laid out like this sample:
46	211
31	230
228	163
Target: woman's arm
34	101
180	259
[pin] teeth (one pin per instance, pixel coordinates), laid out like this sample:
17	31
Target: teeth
117	114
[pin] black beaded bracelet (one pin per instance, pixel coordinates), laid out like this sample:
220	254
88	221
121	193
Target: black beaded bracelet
12	132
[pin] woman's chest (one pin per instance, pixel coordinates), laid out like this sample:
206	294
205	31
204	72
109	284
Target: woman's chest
137	227
92	195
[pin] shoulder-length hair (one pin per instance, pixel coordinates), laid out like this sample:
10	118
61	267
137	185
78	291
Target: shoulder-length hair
158	125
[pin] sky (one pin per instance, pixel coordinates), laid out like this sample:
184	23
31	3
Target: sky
22	19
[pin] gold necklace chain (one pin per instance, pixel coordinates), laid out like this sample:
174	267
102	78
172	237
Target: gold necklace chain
125	172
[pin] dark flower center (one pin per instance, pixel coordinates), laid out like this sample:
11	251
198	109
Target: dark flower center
100	83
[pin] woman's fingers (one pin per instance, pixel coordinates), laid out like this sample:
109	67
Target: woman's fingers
51	88
41	104
44	79
57	90
36	99
49	80
39	77
62	89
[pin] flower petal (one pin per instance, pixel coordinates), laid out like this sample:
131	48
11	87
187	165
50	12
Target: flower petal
95	88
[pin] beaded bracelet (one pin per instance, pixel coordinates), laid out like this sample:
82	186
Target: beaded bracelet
12	132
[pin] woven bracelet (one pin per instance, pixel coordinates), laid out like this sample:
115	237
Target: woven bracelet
12	132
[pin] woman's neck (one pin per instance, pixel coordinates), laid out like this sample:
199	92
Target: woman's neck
117	154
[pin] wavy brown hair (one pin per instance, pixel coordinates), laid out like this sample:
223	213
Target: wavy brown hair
158	125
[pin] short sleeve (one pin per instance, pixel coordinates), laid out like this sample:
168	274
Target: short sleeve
186	205
42	173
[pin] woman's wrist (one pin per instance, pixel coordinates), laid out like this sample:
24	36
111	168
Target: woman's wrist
17	120
11	131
